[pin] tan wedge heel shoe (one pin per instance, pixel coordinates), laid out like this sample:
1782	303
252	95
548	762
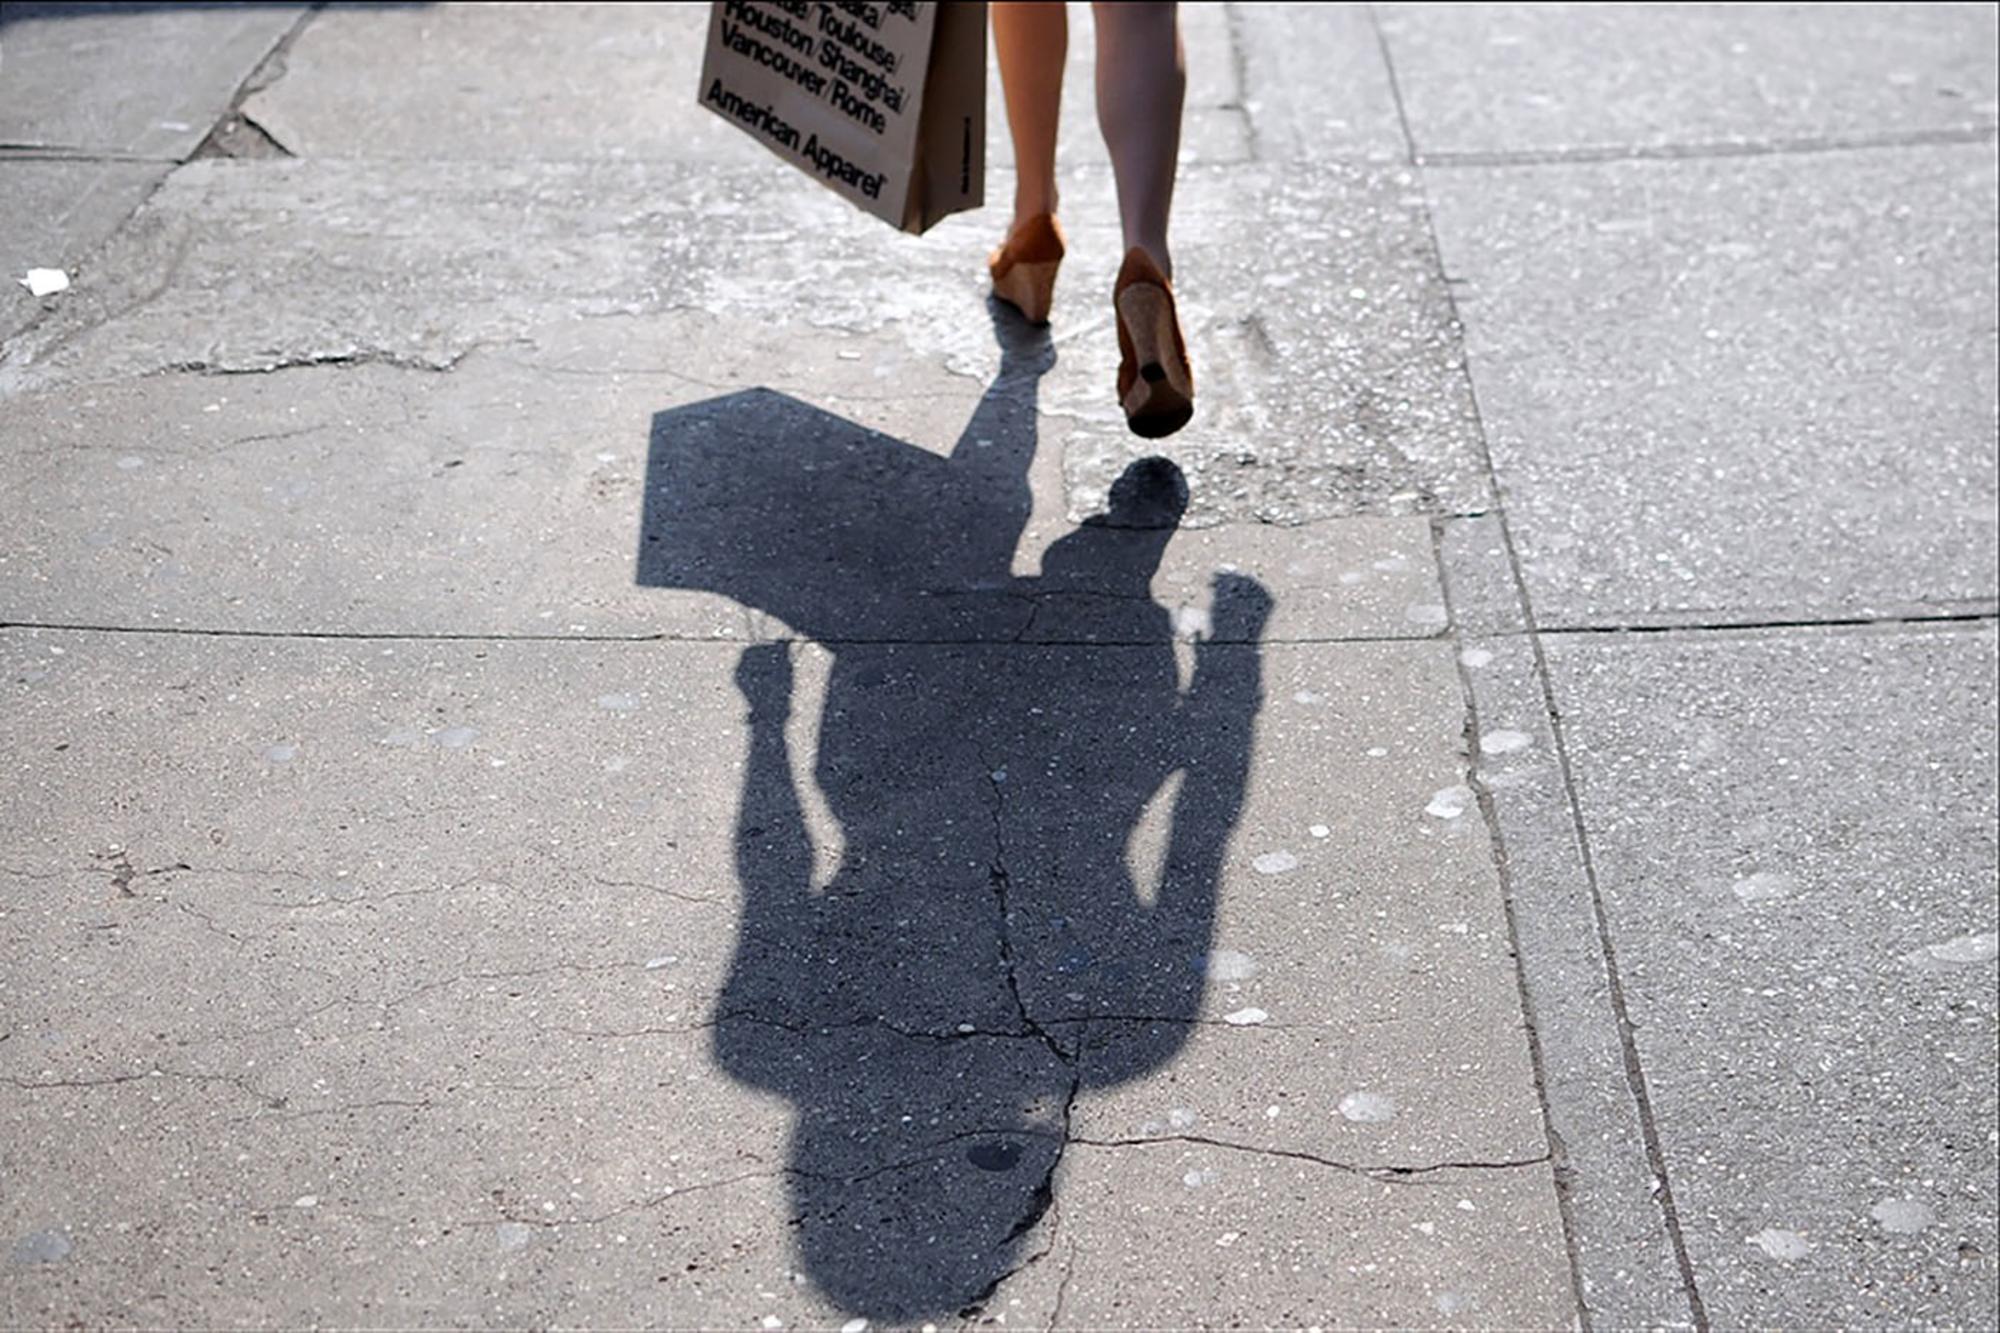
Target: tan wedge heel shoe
1155	381
1024	268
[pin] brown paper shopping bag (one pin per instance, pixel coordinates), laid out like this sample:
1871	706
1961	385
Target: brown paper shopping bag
884	103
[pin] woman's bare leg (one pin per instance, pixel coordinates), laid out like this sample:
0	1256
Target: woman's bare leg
1141	81
1031	39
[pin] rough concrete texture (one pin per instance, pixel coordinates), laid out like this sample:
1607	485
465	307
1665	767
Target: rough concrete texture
1677	444
53	215
1794	837
1512	80
597	739
508	497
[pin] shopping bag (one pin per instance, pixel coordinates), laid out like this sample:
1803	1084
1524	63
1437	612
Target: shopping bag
883	103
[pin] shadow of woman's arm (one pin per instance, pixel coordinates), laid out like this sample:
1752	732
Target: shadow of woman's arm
774	863
1214	728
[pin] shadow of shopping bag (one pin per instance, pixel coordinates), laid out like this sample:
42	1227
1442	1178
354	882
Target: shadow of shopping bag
883	103
839	531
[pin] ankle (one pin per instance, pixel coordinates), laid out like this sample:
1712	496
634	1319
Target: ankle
1028	207
1156	250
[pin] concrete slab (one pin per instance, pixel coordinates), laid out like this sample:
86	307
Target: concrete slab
1332	382
53	215
505	83
621	82
603	480
426	966
1744	390
140	80
1793	836
1505	79
1315	85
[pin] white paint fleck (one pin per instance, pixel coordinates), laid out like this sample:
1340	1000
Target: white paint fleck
1319	830
772	1321
1476	658
1378	751
1504	740
306	1201
1781	1244
1981	948
1426	1228
513	1235
1228	1238
283	752
1368	1108
1229	965
1244	1018
457	738
41	1247
1764	886
44	281
1466	1206
1305	697
1449	802
1905	1217
1272	1112
664	960
1275	863
1194	1180
1180	1117
618	703
855	1326
1426	613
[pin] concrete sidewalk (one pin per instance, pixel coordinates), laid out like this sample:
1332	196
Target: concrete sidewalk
577	760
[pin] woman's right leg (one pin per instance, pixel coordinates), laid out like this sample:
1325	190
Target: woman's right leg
1031	39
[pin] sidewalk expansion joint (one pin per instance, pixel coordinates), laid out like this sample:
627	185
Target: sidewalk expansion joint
1913	619
1709	150
669	637
1635	1074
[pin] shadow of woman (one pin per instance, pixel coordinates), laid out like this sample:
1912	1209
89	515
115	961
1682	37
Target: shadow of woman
989	746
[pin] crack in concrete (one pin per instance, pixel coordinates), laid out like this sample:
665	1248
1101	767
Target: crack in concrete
675	894
1042	1201
1386	1171
237	1081
300	360
423	1104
